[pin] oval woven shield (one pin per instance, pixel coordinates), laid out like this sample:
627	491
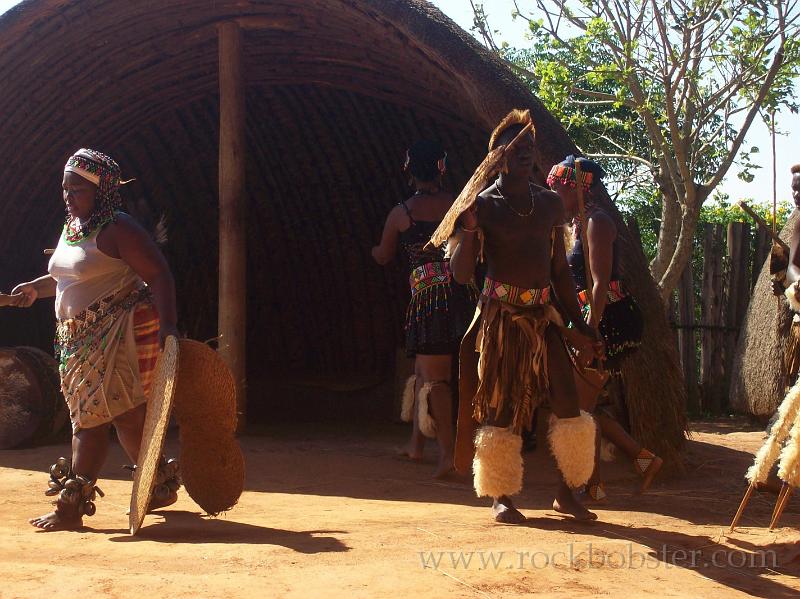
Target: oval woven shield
159	407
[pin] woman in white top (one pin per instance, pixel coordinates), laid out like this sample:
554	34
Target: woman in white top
115	305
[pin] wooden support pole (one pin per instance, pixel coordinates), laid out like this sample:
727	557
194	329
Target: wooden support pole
232	319
738	293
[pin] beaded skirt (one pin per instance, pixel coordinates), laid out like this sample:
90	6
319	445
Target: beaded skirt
439	312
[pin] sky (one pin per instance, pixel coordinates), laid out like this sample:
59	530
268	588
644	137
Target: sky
759	190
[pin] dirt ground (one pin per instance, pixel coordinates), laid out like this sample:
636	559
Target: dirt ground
332	512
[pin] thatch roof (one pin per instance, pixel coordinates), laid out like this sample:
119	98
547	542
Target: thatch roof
758	375
336	91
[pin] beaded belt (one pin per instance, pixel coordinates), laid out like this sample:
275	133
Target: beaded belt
511	294
614	294
72	330
429	275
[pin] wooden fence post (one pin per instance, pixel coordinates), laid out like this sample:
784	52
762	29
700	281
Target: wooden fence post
686	338
712	347
737	292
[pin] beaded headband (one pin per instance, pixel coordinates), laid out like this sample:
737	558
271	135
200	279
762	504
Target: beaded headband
104	172
560	173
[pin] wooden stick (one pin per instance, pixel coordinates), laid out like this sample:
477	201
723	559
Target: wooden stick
781	494
762	224
784	502
584	236
486	170
742	505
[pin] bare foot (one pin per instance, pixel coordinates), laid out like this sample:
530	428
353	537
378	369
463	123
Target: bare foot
505	512
57	521
406	452
444	467
567	504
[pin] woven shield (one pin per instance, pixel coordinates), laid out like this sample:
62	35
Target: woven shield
212	465
159	407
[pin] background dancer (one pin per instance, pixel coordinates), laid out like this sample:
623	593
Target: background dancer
615	313
440	309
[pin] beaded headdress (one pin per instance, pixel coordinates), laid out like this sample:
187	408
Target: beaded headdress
102	171
564	173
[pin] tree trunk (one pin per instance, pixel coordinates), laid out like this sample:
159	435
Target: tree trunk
667	234
683	251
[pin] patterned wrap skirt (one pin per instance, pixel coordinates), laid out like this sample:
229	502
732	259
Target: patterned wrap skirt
107	356
439	312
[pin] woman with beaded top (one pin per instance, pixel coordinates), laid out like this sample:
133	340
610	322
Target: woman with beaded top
115	306
440	309
613	311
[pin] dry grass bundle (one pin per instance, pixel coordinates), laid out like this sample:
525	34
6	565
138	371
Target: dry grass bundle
486	171
212	469
205	391
55	426
789	464
19	400
768	452
758	380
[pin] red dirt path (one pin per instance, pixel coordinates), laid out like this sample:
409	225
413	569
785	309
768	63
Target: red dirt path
333	513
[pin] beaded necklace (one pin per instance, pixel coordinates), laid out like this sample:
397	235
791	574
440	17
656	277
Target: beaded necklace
514	210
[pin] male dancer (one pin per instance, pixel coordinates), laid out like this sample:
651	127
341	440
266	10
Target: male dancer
514	356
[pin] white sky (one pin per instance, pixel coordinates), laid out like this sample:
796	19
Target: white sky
759	190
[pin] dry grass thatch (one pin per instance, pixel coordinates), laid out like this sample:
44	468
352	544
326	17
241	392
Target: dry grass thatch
758	377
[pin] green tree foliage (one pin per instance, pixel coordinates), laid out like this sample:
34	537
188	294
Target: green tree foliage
664	91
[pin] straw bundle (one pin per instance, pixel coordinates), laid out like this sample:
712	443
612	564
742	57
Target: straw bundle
768	453
789	463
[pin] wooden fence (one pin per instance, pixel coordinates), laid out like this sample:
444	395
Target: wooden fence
709	306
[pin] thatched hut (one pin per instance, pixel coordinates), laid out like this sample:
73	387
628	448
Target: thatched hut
334	92
758	377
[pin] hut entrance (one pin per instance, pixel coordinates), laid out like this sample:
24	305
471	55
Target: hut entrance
323	168
294	115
